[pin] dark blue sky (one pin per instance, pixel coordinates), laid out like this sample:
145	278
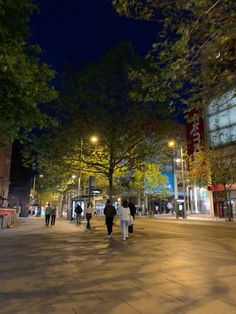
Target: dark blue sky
79	31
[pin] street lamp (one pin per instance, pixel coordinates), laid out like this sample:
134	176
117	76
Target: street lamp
34	188
183	179
32	195
80	171
94	140
172	144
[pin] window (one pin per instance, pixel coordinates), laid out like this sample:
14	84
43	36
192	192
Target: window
221	120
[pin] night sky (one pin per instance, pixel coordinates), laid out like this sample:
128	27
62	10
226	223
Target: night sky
79	31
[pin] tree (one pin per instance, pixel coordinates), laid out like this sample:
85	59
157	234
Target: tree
107	111
148	180
23	80
100	104
215	167
193	60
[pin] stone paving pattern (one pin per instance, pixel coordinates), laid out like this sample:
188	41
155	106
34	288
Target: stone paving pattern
164	267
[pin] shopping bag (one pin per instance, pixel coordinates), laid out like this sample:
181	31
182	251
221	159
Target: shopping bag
131	221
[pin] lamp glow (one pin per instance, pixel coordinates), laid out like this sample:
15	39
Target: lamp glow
94	139
171	143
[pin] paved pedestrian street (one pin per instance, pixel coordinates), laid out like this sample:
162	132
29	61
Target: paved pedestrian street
164	267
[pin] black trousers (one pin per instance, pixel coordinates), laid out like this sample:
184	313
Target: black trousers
88	217
131	228
53	219
47	219
109	223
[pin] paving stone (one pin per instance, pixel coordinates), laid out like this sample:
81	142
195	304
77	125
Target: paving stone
164	267
209	305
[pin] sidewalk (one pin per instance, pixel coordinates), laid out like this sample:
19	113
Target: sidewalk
160	269
191	217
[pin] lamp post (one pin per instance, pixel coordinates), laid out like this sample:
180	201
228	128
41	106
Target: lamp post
93	139
80	171
33	203
172	144
183	179
33	190
34	187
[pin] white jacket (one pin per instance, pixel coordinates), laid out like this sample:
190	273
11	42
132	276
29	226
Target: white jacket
89	210
124	213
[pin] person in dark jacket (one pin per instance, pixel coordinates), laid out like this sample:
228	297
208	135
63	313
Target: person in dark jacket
109	212
132	213
89	214
53	215
78	211
48	212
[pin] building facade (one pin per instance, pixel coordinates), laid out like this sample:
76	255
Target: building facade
221	136
5	162
20	182
214	128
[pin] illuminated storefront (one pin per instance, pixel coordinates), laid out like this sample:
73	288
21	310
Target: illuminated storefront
221	132
198	197
216	128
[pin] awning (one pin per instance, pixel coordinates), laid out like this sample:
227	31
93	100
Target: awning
216	188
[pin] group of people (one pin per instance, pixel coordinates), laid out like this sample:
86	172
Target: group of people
89	213
50	214
127	216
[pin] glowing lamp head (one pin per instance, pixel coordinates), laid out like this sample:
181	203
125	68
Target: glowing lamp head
94	139
171	144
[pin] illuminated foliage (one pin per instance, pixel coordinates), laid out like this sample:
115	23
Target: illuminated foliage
98	103
148	177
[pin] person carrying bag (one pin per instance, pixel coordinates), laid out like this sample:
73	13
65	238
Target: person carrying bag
132	217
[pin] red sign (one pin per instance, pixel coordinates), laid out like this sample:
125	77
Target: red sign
220	187
216	188
195	132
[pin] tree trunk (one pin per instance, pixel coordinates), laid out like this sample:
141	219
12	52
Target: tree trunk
139	199
227	205
110	188
149	207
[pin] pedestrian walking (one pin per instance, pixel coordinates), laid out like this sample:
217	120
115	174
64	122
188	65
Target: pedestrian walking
54	214
132	213
78	211
48	212
89	213
109	212
124	219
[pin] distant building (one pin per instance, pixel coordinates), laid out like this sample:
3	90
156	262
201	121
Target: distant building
5	162
20	182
